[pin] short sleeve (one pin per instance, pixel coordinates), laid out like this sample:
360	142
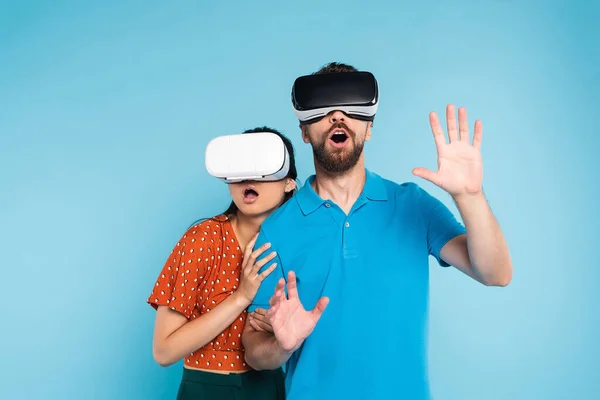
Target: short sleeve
441	224
267	287
177	283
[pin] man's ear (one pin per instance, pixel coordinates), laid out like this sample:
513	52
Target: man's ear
368	135
304	130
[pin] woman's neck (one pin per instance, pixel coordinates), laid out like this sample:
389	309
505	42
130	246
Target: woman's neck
245	227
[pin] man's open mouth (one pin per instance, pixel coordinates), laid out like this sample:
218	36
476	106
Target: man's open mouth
339	136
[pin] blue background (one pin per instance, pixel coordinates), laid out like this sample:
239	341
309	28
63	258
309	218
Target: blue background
105	110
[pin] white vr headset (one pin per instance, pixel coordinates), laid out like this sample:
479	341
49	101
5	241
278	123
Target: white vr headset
260	156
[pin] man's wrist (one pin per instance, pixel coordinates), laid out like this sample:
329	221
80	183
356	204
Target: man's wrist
467	200
289	352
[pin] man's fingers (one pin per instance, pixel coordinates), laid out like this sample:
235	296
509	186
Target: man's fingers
451	122
259	316
279	292
463	124
273	300
267	327
280	285
427	175
254	324
291	286
276	298
260	311
260	325
436	129
320	307
478	134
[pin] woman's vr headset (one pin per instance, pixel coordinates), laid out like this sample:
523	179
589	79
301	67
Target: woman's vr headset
258	156
354	93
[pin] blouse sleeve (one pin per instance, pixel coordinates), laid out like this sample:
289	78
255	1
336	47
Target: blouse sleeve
177	283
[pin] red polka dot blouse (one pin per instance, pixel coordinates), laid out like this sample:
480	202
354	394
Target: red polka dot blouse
202	271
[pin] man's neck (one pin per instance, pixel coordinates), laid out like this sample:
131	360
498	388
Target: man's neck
341	188
245	228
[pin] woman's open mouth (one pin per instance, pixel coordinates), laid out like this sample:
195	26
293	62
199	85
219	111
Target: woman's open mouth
250	195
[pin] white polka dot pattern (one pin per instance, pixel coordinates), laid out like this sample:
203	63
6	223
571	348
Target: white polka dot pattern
193	282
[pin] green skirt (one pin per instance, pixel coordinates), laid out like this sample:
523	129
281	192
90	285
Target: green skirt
263	385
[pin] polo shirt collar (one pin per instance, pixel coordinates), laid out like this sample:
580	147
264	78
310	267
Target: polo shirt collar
310	201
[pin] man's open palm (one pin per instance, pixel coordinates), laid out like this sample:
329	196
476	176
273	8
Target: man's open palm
290	321
460	170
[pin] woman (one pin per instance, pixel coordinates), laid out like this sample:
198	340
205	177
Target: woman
203	291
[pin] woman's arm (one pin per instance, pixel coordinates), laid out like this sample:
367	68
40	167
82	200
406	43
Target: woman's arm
175	337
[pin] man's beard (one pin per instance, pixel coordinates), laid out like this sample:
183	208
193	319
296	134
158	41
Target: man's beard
340	160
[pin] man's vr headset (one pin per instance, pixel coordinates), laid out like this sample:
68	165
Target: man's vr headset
258	156
354	93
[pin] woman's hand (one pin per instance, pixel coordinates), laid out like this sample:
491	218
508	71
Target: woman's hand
250	278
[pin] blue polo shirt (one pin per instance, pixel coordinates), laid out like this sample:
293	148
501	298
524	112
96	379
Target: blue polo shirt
373	264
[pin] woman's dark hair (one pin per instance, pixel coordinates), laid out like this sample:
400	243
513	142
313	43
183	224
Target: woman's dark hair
292	173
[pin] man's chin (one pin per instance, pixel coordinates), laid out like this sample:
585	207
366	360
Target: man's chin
336	165
336	160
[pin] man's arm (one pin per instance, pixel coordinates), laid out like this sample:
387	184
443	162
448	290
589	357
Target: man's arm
291	324
482	253
263	350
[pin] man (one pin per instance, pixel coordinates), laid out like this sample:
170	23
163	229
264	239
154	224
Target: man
354	249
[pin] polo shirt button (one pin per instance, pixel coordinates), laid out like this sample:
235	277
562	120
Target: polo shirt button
347	224
327	205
